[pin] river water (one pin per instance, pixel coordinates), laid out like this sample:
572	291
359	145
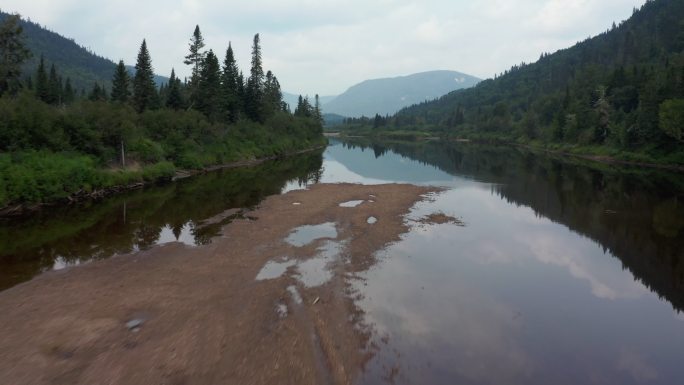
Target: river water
562	271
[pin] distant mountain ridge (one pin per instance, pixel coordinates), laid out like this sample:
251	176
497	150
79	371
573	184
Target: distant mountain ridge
623	88
386	96
78	63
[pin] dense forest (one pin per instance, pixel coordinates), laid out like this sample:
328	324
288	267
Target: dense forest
56	142
619	93
81	65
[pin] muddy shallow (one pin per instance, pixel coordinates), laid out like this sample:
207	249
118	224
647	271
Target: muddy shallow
198	315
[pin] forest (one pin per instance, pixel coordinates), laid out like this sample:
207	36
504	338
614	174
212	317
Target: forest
618	94
57	141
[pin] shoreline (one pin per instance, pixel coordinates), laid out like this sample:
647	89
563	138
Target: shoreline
604	159
17	210
202	315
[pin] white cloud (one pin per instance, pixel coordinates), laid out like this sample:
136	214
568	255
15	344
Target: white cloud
319	46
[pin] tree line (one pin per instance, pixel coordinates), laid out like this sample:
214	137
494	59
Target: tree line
618	93
55	140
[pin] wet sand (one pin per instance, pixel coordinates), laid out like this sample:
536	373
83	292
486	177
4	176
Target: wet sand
197	315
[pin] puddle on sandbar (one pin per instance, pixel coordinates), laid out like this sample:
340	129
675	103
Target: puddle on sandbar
372	220
297	203
351	203
294	293
303	235
281	310
312	272
274	269
315	271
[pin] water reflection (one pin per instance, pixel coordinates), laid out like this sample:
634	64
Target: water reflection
560	275
190	211
633	214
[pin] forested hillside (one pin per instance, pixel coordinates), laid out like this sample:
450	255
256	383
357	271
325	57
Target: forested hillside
621	91
73	61
56	143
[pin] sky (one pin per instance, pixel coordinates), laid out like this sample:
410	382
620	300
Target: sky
325	46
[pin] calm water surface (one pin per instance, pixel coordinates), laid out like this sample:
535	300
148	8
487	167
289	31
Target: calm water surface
565	273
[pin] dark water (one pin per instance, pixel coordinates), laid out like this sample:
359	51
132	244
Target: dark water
191	211
565	272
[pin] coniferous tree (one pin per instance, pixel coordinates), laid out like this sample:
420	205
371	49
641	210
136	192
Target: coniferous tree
230	88
69	94
195	59
317	110
174	99
273	96
98	93
254	97
13	53
54	88
144	89
121	84
209	87
42	88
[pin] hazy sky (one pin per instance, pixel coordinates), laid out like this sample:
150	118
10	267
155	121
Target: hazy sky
325	46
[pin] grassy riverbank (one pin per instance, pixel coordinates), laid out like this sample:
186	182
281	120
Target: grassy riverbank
51	154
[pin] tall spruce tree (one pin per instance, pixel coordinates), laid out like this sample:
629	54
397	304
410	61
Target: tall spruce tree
229	87
254	97
317	110
13	54
273	96
121	84
209	87
195	59
69	94
42	88
174	99
144	88
54	88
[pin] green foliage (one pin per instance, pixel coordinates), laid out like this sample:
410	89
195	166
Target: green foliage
52	124
605	91
255	84
174	97
195	59
672	118
230	85
13	53
144	89
121	84
209	88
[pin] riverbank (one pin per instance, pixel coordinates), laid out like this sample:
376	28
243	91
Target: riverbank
596	154
140	181
180	314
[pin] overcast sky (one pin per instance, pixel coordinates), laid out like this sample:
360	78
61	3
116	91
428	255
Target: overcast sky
325	46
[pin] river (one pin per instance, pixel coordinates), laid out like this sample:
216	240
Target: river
558	270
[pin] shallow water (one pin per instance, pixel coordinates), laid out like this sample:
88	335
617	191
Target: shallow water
303	235
562	274
565	272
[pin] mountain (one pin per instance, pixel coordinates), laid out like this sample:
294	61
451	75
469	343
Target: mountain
623	89
78	63
292	99
332	120
389	95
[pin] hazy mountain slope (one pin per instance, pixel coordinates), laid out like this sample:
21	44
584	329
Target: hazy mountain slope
78	63
389	95
605	90
291	99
